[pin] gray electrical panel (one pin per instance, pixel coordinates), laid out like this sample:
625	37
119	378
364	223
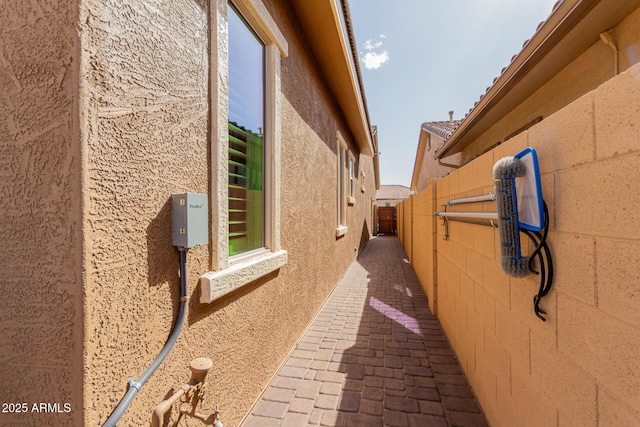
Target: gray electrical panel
190	219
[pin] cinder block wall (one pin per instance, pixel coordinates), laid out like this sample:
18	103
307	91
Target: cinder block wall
423	238
400	223
580	367
407	213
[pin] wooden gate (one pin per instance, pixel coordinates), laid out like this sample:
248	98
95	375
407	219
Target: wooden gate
387	220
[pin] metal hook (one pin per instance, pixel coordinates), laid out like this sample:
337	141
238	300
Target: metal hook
445	223
446	228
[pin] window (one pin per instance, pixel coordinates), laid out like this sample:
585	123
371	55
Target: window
352	179
245	146
342	185
246	139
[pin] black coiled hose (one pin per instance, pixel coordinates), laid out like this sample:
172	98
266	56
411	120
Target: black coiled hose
543	253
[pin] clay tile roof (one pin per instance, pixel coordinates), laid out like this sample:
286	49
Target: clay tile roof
443	129
392	192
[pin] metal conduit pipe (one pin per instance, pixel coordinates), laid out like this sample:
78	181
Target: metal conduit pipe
135	386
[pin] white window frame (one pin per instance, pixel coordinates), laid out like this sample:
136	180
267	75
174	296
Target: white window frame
341	192
352	179
230	273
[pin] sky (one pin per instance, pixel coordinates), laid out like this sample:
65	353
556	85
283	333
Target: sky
421	59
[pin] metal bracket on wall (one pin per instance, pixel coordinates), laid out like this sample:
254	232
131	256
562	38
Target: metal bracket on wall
445	223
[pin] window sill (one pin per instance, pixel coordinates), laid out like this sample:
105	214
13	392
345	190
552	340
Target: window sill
351	201
341	230
216	284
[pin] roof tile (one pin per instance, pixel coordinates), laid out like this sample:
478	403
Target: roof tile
392	192
444	129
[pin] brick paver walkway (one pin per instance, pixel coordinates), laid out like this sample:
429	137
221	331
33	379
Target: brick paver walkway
374	356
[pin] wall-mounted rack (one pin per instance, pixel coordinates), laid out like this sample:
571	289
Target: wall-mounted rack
519	208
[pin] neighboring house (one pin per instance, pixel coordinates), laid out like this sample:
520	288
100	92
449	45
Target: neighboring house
426	167
573	94
391	195
108	109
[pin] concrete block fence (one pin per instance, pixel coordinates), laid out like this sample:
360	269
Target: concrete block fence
580	367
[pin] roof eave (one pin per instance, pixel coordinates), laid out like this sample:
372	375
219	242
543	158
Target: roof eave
417	165
376	156
328	29
571	28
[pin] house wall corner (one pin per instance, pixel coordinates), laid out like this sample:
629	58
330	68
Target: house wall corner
41	318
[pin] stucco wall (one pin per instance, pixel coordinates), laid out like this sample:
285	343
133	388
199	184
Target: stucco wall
41	281
145	93
430	168
579	368
587	72
144	97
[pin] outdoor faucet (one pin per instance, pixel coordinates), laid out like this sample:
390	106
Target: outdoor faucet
193	389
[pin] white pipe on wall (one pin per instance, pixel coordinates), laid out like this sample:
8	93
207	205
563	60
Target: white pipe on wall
485	198
483	215
608	40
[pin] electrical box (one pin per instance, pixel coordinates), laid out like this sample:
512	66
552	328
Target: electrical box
190	219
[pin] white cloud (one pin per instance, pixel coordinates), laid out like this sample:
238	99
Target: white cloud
373	60
371	45
374	57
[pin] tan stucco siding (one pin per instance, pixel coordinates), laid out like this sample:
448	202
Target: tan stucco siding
144	91
430	168
146	84
41	260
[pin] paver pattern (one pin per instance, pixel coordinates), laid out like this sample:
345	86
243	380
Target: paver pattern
374	356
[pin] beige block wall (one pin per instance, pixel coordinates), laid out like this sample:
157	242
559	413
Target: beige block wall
579	368
424	243
41	308
400	223
407	229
